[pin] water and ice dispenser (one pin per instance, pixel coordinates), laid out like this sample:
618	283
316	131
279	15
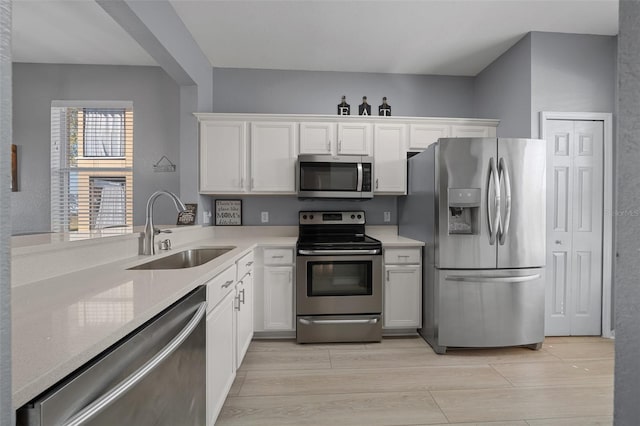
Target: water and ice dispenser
464	205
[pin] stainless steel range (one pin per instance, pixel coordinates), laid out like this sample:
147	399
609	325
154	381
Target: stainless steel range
338	279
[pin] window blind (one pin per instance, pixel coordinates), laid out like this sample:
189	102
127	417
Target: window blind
91	168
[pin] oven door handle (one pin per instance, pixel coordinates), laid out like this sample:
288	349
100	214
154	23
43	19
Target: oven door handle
338	321
338	252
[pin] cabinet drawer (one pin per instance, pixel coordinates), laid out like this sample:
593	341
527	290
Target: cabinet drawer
220	286
278	256
245	265
402	256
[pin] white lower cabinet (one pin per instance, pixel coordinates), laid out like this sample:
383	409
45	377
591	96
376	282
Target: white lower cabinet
402	289
402	296
221	361
278	298
244	316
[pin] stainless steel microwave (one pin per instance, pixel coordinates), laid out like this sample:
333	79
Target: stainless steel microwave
327	176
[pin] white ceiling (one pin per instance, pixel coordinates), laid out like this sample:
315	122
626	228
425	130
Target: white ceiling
71	32
449	37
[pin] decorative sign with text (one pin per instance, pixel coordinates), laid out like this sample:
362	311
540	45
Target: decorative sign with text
228	212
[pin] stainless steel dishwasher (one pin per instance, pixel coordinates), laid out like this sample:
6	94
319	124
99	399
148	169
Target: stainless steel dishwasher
154	376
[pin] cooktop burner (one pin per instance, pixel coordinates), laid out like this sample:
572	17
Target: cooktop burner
334	230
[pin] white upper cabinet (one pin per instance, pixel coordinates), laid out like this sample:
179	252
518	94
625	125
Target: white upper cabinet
470	131
354	139
222	156
423	135
318	138
273	157
390	159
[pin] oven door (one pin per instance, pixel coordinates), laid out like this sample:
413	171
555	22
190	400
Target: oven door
338	284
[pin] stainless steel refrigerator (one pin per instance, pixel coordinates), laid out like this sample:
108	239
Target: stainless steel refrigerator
479	205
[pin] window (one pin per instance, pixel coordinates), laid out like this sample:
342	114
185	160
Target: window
91	166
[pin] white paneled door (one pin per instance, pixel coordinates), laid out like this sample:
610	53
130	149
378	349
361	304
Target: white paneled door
574	227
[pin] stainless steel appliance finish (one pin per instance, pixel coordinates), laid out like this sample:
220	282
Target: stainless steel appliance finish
479	204
155	376
327	176
338	279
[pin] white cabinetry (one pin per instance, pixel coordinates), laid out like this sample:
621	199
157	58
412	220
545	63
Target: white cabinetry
390	155
278	287
318	138
469	131
273	157
354	139
402	289
423	135
222	156
244	307
221	343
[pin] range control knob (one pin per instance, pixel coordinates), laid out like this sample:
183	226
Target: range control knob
353	216
311	217
304	216
359	216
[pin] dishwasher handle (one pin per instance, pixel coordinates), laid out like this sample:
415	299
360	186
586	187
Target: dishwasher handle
121	388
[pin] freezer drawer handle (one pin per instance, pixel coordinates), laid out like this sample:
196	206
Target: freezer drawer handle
465	278
121	388
504	228
339	321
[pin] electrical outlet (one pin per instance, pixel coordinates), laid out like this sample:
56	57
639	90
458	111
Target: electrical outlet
205	217
387	216
264	217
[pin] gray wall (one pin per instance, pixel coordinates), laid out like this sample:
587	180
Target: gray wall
571	72
6	412
156	106
503	90
283	210
627	267
319	92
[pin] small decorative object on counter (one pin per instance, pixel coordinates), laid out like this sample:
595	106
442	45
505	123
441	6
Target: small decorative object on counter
188	217
343	107
364	108
384	110
228	212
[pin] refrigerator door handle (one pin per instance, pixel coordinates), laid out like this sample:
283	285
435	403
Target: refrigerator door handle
494	222
504	171
485	279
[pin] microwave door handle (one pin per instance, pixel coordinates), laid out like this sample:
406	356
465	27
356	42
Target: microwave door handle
359	188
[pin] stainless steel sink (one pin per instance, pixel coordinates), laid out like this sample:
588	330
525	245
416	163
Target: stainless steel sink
186	259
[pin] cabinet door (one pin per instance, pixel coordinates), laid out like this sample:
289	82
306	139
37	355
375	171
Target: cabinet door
354	138
278	298
317	138
273	157
423	135
244	316
469	131
220	356
390	155
222	156
402	297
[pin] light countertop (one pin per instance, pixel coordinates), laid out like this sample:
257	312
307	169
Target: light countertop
60	323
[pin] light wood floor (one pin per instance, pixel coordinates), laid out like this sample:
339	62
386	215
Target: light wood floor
401	381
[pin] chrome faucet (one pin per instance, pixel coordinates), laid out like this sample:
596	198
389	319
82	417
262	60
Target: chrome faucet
148	244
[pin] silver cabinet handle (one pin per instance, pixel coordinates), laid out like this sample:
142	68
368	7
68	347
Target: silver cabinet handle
377	183
277	257
241	183
338	321
249	264
116	392
329	145
339	252
339	146
464	278
242	298
504	171
558	242
227	284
